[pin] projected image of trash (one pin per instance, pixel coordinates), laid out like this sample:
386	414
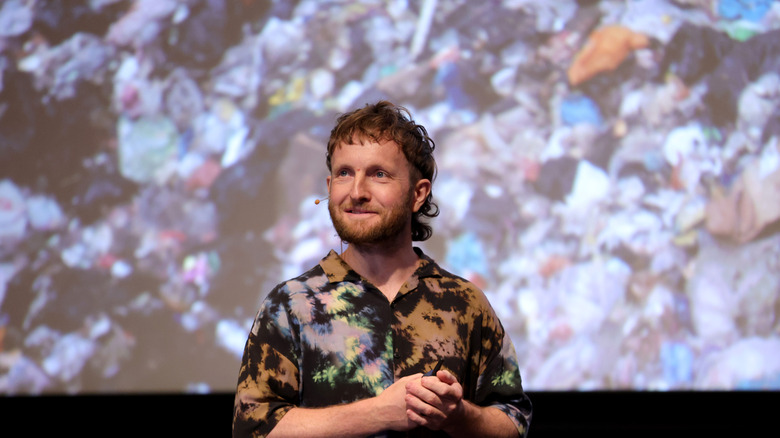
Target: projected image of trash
609	175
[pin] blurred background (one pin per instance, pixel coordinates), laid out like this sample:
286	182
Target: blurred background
609	174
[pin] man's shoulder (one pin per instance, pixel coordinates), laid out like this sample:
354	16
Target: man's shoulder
432	270
444	280
310	280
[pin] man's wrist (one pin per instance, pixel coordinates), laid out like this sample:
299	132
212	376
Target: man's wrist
475	420
465	414
346	420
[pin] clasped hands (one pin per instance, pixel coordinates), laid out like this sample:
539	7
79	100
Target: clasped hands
435	402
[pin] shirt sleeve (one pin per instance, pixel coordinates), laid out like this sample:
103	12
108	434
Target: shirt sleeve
268	380
500	385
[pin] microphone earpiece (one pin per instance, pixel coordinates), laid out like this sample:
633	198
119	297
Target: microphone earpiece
317	201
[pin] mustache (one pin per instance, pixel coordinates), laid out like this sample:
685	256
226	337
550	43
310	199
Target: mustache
356	208
351	206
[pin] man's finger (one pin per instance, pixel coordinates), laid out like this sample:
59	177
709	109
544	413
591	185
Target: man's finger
446	377
426	411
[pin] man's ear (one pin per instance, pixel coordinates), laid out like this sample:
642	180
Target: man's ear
421	191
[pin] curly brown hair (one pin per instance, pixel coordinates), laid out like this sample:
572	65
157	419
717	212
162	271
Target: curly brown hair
384	121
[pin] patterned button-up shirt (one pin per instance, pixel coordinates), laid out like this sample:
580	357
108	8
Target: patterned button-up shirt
330	337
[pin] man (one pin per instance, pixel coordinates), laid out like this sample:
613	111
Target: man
342	350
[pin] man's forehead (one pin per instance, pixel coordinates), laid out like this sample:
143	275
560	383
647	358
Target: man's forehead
358	147
365	140
382	150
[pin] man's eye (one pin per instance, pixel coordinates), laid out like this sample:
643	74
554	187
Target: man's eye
342	173
380	174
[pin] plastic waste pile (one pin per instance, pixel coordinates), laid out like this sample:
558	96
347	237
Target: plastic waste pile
609	174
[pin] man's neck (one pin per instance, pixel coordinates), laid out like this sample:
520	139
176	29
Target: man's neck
386	266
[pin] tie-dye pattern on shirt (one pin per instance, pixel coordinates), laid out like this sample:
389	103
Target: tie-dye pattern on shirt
330	337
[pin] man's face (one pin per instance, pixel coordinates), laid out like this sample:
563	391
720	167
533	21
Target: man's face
371	195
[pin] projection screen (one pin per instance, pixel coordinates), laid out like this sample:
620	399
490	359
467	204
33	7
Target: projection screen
608	173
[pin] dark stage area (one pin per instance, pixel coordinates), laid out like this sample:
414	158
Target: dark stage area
556	414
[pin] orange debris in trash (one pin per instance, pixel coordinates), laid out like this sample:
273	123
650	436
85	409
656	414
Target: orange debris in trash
205	175
605	49
553	265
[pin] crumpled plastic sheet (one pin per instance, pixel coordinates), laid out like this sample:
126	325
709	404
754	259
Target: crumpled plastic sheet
624	229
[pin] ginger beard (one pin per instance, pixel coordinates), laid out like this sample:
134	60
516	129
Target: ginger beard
392	222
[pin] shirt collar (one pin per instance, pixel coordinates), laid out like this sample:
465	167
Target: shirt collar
338	270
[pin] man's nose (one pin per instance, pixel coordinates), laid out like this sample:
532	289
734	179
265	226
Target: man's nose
359	189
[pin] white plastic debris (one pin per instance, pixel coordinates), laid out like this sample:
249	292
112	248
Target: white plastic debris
13	212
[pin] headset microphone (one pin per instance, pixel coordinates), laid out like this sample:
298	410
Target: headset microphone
317	201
